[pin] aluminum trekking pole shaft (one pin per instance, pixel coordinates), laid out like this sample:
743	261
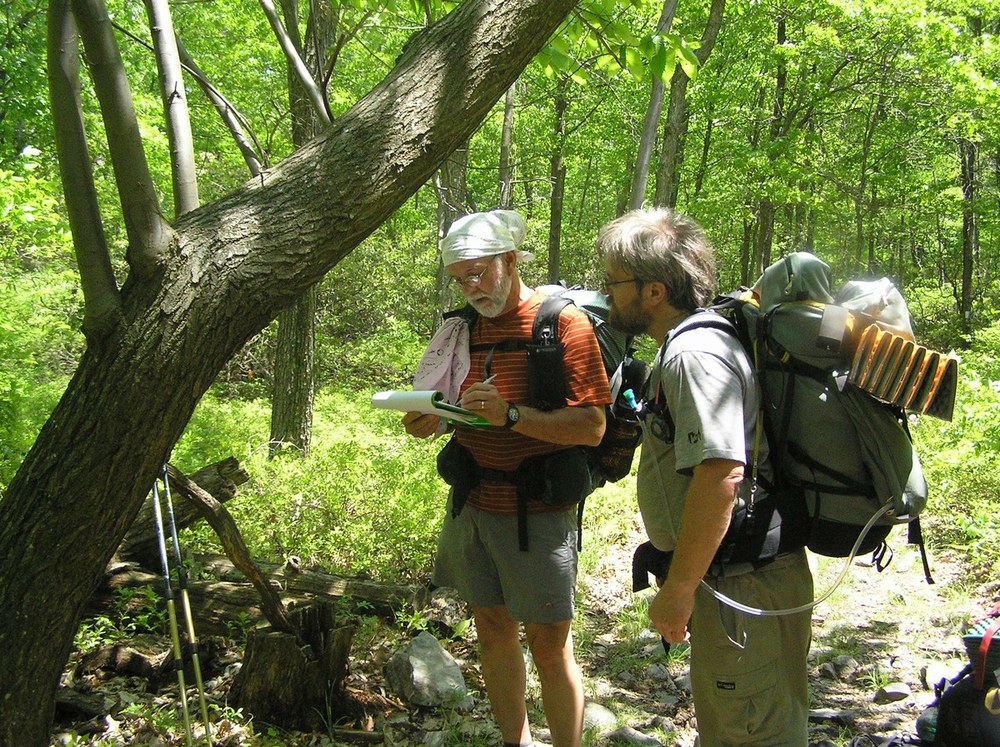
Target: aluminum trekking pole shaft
172	614
186	605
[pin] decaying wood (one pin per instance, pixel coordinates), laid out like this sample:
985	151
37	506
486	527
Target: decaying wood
220	480
222	607
293	685
232	542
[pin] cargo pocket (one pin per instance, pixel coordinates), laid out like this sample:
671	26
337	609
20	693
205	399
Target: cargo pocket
744	705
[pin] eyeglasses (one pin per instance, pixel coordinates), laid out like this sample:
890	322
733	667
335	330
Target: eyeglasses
608	282
471	281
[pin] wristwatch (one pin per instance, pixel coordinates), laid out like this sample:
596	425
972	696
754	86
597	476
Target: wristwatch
513	415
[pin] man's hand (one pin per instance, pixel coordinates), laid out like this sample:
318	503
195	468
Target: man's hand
420	424
485	400
708	508
669	611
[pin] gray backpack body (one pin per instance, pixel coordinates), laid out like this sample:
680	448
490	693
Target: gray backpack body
845	457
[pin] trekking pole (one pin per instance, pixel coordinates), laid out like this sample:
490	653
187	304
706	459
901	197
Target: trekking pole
186	605
172	614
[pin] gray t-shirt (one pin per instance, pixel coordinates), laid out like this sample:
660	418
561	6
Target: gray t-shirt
711	392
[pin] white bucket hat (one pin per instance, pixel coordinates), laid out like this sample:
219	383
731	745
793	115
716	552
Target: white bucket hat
480	235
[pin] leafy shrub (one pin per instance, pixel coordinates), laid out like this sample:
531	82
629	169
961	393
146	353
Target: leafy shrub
959	458
366	501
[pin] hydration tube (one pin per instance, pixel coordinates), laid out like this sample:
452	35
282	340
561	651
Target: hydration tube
756	611
805	607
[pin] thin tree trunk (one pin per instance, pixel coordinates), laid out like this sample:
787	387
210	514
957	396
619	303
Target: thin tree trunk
506	201
675	128
557	175
101	301
699	178
967	152
765	207
451	186
651	122
294	388
174	95
149	235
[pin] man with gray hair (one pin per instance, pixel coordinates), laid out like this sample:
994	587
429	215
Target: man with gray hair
748	672
504	468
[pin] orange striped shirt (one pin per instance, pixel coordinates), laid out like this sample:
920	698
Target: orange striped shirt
586	384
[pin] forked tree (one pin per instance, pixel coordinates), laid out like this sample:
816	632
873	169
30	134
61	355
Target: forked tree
196	291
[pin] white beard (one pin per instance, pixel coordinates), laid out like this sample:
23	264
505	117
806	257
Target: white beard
491	305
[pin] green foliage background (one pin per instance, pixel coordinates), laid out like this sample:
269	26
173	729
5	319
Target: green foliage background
912	79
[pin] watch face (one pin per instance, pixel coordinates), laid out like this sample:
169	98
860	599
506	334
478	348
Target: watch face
513	414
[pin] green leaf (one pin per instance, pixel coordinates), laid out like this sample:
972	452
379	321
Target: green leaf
634	63
688	61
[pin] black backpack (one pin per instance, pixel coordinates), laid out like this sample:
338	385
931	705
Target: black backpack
610	460
968	706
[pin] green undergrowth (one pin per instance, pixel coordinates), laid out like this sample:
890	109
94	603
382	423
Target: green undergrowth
366	501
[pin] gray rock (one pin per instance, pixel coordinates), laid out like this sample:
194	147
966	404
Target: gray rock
423	673
847	667
628	735
828	671
683	683
892	693
435	739
657	671
598	718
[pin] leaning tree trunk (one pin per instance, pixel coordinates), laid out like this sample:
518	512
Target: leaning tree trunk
233	266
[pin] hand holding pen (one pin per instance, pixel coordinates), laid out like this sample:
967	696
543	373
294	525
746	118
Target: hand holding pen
483	399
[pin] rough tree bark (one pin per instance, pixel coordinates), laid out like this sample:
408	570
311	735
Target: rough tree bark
230	268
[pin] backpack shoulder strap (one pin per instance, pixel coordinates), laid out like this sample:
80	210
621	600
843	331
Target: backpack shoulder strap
545	329
467	314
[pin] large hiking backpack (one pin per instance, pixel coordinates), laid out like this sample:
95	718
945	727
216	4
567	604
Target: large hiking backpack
845	468
610	460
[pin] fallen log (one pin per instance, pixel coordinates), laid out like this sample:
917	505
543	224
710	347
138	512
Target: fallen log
227	605
220	480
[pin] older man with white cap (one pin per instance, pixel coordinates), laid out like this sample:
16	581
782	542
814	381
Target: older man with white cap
506	582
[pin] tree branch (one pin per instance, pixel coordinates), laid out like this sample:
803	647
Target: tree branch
234	121
295	61
175	110
149	235
219	519
101	300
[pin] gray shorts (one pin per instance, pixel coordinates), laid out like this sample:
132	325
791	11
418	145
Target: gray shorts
478	556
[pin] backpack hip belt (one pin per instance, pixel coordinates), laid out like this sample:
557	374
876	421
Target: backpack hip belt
557	479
